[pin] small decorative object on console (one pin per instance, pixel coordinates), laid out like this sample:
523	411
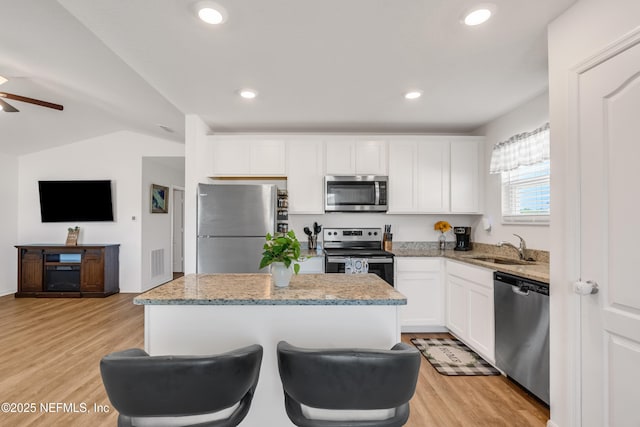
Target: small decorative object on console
72	236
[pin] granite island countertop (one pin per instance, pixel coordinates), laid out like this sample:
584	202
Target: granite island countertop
538	270
258	289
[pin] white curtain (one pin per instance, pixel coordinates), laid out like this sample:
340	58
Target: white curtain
523	149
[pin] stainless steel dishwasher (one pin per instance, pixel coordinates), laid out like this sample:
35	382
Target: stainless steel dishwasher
522	331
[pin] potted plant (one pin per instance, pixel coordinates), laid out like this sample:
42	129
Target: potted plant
281	251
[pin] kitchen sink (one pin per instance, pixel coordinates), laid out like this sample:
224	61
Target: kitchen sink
500	260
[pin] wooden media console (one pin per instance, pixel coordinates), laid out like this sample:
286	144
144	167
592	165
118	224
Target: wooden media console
68	271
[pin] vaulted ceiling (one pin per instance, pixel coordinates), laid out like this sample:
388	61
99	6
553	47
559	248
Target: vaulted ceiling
326	66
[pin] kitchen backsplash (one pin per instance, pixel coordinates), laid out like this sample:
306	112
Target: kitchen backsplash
403	227
540	256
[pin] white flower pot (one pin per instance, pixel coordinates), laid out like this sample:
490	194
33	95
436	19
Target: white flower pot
281	274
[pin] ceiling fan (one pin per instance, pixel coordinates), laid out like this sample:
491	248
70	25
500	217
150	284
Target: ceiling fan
8	108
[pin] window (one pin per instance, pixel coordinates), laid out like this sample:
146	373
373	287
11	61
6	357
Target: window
526	193
524	165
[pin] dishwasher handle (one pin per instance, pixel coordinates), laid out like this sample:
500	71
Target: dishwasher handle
520	290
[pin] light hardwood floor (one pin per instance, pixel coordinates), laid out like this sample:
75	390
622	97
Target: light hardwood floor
50	351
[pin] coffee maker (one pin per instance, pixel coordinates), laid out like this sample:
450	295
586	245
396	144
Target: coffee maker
463	238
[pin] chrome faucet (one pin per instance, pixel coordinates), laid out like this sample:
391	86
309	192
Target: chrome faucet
522	248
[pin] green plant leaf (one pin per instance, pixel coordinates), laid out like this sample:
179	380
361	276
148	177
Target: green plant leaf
283	248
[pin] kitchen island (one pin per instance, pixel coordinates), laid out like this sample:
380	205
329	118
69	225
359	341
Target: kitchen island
214	313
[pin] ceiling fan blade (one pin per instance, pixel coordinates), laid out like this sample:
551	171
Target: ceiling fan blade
8	108
31	101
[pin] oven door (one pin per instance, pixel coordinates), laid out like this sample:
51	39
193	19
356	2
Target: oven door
355	193
380	266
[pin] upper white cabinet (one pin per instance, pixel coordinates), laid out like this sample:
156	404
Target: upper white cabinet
420	280
247	156
427	174
469	306
419	175
305	178
435	174
357	156
466	179
403	177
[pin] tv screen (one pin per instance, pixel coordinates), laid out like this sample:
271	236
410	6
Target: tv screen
71	201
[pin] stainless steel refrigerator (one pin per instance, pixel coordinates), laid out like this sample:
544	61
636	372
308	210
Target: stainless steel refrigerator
232	223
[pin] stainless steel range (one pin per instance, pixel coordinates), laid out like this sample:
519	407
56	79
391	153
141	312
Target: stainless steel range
361	243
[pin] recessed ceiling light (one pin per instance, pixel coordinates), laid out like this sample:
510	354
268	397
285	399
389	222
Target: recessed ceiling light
479	14
248	93
211	13
414	94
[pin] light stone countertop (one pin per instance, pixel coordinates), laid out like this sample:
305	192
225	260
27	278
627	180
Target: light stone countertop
538	270
258	289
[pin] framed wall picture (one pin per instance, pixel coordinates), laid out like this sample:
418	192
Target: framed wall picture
159	199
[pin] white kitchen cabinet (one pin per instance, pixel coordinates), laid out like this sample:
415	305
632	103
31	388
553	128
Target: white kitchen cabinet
245	156
313	265
371	157
403	176
466	179
433	176
419	176
456	305
267	157
469	307
229	157
420	280
305	177
358	156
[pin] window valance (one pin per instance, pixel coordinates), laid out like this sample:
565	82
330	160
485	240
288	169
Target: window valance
524	149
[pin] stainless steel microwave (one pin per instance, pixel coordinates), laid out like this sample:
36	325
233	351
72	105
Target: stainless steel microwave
357	193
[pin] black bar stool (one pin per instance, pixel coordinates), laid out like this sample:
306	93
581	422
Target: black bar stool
348	387
213	391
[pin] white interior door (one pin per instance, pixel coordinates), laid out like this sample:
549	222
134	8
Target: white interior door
178	230
609	143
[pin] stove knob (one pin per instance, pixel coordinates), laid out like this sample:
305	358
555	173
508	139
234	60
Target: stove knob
375	233
369	233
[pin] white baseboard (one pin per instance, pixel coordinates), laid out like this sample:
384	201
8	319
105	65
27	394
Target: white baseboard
423	329
4	292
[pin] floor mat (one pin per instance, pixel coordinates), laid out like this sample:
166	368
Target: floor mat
452	357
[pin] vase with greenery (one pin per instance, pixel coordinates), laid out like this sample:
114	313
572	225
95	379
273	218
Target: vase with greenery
282	252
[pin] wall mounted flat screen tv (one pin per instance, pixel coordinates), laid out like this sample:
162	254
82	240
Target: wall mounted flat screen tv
75	201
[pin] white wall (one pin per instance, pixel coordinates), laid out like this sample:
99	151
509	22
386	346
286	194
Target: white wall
157	227
117	157
527	117
8	223
580	33
196	160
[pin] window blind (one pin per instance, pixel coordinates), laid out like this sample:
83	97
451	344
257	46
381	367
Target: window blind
526	193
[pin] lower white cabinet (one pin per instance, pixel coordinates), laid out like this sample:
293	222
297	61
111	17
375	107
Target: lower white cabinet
313	265
420	280
469	307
